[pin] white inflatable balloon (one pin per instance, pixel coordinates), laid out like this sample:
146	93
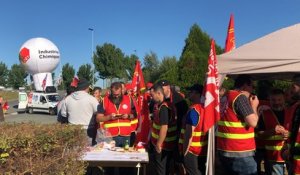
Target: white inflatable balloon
40	57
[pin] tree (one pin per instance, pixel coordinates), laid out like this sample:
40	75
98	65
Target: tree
16	76
3	74
168	70
150	69
130	65
109	61
193	60
68	73
86	71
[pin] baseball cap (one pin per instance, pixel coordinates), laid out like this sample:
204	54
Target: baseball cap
163	83
196	87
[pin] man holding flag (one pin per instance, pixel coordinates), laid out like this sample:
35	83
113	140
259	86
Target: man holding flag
235	136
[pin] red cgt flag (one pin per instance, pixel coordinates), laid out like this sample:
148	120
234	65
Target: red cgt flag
211	91
138	84
5	106
44	82
230	40
74	82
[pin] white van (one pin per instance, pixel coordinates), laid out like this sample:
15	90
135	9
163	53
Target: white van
43	102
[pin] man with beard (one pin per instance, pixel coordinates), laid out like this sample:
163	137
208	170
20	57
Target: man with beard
117	111
272	128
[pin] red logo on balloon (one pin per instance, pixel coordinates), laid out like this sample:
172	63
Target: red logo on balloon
24	55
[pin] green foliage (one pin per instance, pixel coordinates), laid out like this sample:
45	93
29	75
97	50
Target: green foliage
86	71
68	73
41	149
168	70
151	67
109	61
193	61
130	65
16	76
3	74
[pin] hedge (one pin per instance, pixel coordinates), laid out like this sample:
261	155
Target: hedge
41	149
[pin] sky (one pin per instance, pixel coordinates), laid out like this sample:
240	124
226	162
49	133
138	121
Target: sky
134	26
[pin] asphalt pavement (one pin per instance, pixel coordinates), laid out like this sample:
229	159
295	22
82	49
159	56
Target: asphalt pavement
13	115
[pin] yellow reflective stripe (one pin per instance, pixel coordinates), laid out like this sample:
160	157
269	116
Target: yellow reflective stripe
167	139
155	126
171	129
111	125
273	148
180	141
235	136
297	144
134	121
194	133
198	144
296	157
275	137
232	124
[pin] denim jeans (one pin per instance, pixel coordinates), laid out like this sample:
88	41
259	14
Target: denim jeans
275	168
239	165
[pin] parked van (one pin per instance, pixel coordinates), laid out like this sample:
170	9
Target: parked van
43	102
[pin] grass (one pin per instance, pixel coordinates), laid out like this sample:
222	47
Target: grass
9	95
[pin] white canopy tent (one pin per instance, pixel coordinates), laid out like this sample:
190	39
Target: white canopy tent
274	56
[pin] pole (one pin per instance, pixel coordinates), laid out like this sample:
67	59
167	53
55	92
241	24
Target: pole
93	67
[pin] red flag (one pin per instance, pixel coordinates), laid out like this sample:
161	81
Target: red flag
211	91
5	106
74	82
230	40
44	82
138	84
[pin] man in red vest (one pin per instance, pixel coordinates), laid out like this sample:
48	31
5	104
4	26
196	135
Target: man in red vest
116	112
163	134
291	151
272	128
235	135
193	142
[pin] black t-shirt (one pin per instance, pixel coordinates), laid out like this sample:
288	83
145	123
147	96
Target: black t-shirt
164	115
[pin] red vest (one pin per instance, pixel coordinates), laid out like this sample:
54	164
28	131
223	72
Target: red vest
170	140
117	127
296	158
233	134
199	138
274	144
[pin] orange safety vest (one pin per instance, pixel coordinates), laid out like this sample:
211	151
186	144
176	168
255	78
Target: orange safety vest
117	127
170	140
274	144
233	134
296	158
199	138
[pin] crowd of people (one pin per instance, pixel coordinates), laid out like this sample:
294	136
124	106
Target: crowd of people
249	132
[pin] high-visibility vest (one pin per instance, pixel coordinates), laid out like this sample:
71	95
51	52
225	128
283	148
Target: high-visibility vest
233	134
199	138
118	127
274	143
170	140
296	158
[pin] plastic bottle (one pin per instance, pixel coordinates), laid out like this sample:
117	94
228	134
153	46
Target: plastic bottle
126	146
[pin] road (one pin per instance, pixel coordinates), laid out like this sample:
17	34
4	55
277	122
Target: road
12	115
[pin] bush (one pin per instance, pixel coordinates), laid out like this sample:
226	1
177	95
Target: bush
41	149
